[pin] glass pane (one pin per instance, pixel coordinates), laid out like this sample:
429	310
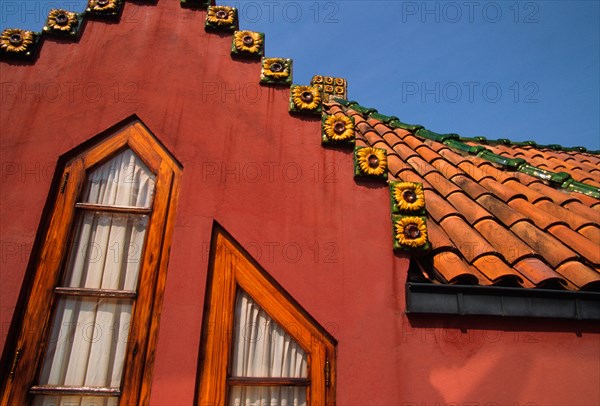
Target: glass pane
74	401
122	181
87	343
106	251
267	396
261	348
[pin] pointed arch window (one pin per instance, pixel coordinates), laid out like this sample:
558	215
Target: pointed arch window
99	278
259	346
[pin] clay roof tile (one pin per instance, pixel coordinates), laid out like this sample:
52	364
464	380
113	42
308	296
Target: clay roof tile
550	248
471	244
497	271
580	275
454	269
577	242
472	188
504	240
538	272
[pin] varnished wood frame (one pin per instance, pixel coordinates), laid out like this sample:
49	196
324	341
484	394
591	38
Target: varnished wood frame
34	327
232	267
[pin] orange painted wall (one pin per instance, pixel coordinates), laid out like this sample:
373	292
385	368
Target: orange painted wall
294	205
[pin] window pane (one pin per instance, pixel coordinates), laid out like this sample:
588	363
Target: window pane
267	396
74	401
261	348
106	251
87	343
123	181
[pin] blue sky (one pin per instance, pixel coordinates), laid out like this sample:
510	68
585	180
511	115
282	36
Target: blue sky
502	69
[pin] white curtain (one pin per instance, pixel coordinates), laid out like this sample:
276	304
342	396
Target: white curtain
262	349
89	335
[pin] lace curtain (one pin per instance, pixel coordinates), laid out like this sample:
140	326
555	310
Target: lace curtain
88	339
262	349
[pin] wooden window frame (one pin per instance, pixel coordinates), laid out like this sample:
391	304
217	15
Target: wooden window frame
50	261
232	268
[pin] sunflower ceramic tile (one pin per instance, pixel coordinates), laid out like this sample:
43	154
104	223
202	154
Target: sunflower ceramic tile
221	18
410	233
305	99
16	43
104	8
276	71
63	23
337	129
248	44
370	163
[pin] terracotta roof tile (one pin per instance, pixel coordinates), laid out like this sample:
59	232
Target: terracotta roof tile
438	147
551	249
438	207
504	241
587	200
497	271
391	138
395	164
591	232
470	209
541	219
475	171
506	214
442	185
539	273
528	192
408	175
577	242
404	151
580	275
470	243
427	153
472	188
501	191
556	195
455	270
413	142
573	219
493	218
438	239
423	167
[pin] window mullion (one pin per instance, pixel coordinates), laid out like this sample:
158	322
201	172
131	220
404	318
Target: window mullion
114	209
99	293
73	390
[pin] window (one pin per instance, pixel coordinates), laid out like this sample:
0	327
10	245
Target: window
99	278
259	347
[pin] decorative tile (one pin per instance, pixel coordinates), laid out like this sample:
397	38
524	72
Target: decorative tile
248	44
330	86
370	163
276	71
63	23
503	215
337	129
410	233
104	8
16	43
305	99
407	198
221	18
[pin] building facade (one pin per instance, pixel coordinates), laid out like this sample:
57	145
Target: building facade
174	206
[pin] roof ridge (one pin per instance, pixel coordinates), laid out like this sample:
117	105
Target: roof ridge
561	180
395	122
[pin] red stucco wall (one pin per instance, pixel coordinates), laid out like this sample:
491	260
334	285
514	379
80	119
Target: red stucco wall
264	176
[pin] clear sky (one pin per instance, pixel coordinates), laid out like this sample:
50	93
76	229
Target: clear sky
502	69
